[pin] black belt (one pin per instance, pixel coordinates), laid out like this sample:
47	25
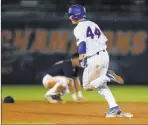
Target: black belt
93	55
85	59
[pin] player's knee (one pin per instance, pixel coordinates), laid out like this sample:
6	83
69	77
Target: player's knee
70	81
98	82
46	80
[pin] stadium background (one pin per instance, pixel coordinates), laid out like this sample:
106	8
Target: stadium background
36	33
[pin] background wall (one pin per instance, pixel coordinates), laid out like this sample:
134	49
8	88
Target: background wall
36	34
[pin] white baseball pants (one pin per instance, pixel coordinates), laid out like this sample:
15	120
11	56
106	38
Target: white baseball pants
95	72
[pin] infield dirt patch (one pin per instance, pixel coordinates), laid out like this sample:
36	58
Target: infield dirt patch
71	113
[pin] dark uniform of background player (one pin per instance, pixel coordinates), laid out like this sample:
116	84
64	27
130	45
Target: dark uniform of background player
68	68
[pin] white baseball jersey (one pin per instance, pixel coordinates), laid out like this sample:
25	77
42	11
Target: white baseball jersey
90	32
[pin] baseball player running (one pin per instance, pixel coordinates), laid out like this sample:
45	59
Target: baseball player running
91	44
61	79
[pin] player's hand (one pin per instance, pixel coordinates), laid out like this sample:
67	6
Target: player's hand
81	56
82	99
82	61
82	64
77	101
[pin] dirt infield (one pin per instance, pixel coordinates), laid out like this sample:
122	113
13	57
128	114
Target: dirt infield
71	113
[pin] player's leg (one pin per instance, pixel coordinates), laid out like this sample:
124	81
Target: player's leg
101	63
72	90
46	81
68	85
95	73
107	94
54	87
51	93
111	76
101	86
114	109
87	76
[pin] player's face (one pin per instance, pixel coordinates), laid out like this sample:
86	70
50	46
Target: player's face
73	22
76	61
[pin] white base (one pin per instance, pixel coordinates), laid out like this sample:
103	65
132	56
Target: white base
121	115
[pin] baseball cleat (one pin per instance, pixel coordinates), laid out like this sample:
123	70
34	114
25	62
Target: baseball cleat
49	98
58	98
112	112
114	77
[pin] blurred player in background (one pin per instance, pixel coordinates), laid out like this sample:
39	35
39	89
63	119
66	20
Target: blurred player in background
91	44
62	78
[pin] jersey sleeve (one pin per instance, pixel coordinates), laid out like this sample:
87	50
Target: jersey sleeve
80	39
79	35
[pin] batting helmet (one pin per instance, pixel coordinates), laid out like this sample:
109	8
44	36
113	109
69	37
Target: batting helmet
77	12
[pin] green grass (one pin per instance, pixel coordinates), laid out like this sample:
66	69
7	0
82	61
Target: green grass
121	93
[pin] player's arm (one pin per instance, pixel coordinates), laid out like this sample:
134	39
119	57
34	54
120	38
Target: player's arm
81	46
78	89
71	89
81	43
77	84
71	86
